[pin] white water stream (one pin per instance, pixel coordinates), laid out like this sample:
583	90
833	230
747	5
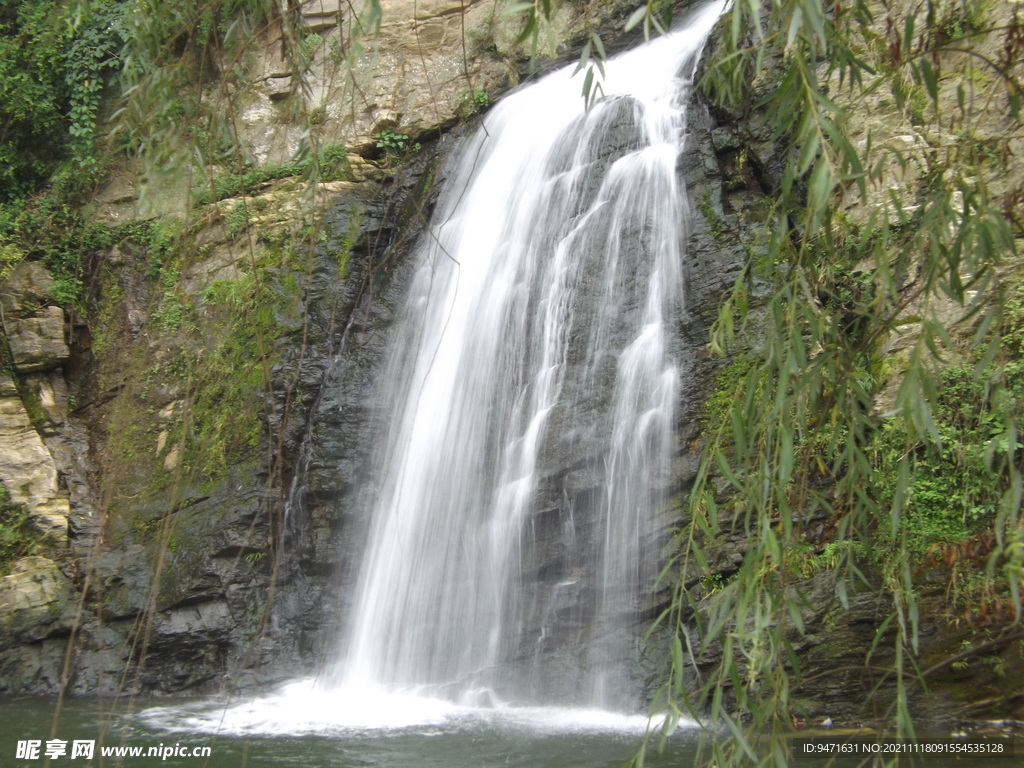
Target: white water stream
537	333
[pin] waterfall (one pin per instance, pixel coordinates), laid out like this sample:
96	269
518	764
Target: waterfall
531	377
526	427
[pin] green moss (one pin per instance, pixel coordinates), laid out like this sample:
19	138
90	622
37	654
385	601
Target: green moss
231	183
714	220
173	313
728	385
345	251
18	537
1013	322
30	399
104	328
981	152
131	444
228	375
207	354
960	18
10	257
805	560
224	407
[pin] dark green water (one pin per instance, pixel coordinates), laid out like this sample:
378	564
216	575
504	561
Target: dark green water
458	743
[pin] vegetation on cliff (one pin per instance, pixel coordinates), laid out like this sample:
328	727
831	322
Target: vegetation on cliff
880	390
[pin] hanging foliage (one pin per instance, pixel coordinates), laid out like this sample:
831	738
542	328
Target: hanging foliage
822	423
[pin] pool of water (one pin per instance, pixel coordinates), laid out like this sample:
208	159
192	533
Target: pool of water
423	734
300	725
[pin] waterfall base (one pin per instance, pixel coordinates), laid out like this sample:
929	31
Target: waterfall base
305	707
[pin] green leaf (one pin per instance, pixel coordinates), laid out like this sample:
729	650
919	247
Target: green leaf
785	455
754	7
737	734
795	616
584	58
677	663
727	473
931	83
812	10
636	17
531	28
779	754
899	497
795	24
808	153
588	81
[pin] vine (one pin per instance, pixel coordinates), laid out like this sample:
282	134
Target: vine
93	53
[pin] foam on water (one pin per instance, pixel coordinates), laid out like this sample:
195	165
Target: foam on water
307	707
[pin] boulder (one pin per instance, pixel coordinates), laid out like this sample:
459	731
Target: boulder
119	189
36	602
279	87
29	284
37	343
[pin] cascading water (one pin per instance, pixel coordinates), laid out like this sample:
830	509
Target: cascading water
538	328
531	379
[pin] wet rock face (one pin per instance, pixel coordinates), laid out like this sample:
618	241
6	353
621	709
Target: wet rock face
330	514
38	606
552	647
209	623
211	626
